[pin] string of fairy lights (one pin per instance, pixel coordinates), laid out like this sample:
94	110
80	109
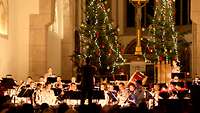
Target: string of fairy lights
98	38
162	31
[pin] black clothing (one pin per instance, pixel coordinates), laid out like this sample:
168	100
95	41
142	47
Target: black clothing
87	83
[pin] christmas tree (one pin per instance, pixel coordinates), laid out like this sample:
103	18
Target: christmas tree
162	43
99	40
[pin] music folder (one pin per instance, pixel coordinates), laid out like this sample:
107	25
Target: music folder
26	93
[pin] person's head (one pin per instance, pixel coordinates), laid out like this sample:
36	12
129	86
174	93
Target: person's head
103	87
32	84
131	87
176	79
29	79
73	79
73	87
196	79
110	87
50	70
48	85
39	86
121	86
59	79
41	79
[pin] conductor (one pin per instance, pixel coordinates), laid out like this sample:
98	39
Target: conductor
87	81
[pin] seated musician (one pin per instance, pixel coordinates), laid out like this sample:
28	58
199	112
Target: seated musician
32	85
155	94
196	81
28	81
175	79
73	87
41	80
37	94
131	100
48	95
112	93
48	74
105	101
122	94
58	84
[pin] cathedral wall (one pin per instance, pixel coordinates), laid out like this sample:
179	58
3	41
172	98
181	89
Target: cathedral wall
14	48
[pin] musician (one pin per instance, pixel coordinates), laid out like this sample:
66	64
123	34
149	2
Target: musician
112	93
196	81
32	85
105	101
131	100
37	94
42	80
73	87
175	79
122	94
48	95
155	94
58	84
48	74
28	81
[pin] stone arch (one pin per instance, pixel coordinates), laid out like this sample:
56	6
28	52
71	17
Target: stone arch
130	48
38	38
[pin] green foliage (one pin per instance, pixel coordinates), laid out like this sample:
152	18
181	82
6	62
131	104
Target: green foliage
163	41
99	40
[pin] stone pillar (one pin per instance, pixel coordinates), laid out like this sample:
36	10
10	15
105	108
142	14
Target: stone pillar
114	9
38	38
121	18
195	17
67	47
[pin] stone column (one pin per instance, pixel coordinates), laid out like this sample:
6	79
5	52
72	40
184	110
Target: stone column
67	47
38	38
195	17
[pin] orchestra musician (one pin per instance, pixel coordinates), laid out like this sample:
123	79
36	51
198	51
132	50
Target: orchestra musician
47	95
112	93
73	87
122	94
58	83
28	81
42	80
131	100
37	94
48	74
105	101
196	81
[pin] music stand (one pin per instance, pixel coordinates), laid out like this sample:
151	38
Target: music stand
72	95
57	91
26	93
98	94
52	79
8	83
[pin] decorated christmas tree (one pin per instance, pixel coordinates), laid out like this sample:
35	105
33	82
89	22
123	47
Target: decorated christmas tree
99	40
162	44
